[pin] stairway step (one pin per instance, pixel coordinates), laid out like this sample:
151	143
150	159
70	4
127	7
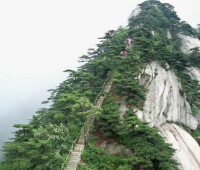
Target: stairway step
79	147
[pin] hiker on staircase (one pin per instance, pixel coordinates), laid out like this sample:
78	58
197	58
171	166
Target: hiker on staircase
123	53
129	41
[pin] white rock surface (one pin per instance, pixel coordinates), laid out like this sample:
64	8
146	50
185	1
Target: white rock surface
188	43
164	107
135	12
114	149
169	36
123	109
187	149
194	72
164	102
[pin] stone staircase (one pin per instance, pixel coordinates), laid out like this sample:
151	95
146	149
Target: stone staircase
75	154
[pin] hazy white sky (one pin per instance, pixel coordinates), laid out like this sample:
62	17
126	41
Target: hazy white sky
41	38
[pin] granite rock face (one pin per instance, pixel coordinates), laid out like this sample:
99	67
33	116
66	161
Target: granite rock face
187	149
169	36
164	108
164	102
114	149
188	43
194	73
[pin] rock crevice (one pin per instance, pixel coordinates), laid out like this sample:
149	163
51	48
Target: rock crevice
164	108
165	104
164	101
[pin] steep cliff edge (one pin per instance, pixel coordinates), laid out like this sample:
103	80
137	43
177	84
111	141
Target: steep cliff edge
188	43
187	149
151	108
164	107
162	62
164	102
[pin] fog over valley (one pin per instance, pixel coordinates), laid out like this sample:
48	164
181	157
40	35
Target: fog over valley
19	100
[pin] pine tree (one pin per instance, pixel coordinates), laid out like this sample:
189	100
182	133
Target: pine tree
109	119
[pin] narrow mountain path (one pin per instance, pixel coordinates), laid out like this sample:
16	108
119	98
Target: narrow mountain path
75	154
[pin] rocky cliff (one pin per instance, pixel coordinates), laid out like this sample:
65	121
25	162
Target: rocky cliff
165	46
157	82
150	116
165	107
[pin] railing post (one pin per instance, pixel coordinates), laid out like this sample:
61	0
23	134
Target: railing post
85	130
84	135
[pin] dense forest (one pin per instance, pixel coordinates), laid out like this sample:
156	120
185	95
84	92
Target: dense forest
44	143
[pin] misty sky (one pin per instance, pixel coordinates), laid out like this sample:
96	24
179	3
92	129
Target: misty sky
41	38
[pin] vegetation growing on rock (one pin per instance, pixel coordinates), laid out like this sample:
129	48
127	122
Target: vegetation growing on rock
45	142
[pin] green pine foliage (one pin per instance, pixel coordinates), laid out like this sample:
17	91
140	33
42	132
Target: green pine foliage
196	134
109	119
127	85
195	57
155	153
44	143
192	90
42	149
149	149
161	17
157	17
96	158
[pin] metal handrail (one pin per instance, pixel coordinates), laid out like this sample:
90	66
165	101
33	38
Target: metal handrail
102	88
72	147
95	102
